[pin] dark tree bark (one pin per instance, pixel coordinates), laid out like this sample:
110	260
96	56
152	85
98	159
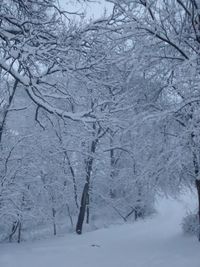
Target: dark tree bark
81	215
14	229
19	232
112	164
85	199
54	221
85	195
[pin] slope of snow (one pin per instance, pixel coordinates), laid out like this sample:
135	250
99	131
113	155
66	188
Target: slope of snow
156	242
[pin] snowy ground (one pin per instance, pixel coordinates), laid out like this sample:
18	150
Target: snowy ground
156	242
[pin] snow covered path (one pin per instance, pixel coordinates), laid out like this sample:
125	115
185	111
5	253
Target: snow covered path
156	242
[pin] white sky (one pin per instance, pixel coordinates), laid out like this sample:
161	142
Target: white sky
94	10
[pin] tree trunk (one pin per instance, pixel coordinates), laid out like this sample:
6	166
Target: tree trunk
81	215
112	166
88	206
19	232
88	215
85	200
198	192
14	229
54	221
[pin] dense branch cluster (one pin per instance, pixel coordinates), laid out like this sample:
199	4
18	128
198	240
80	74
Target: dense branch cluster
96	117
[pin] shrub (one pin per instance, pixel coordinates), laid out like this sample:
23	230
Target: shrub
190	224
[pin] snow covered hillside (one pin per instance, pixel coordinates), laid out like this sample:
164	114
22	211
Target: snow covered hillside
156	242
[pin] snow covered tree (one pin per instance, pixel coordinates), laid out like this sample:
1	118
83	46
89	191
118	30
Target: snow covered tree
170	32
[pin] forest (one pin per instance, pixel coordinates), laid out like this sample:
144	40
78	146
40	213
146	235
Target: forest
98	116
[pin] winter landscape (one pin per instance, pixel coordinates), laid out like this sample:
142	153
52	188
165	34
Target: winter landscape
99	133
